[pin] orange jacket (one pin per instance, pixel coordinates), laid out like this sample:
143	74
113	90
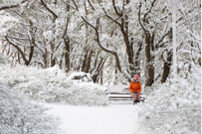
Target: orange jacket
135	87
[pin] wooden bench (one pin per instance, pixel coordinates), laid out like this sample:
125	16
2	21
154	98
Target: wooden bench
122	96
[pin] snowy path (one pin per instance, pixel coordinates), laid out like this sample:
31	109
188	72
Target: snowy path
112	119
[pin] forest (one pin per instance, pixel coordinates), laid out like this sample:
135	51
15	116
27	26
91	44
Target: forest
119	38
109	41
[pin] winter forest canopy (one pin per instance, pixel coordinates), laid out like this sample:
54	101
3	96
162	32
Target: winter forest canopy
110	41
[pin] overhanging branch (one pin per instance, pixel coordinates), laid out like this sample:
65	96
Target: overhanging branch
4	7
45	5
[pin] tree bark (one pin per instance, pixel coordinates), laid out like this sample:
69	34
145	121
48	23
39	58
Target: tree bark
88	61
166	68
26	61
149	59
67	56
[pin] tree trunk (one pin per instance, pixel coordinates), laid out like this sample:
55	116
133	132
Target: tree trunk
149	64
88	61
166	68
26	61
84	60
137	59
149	72
67	56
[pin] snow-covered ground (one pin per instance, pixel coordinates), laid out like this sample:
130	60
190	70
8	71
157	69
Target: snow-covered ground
112	119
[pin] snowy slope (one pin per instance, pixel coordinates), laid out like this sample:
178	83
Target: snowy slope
52	85
112	119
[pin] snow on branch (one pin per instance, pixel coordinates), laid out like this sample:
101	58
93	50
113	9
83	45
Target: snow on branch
96	28
8	6
51	11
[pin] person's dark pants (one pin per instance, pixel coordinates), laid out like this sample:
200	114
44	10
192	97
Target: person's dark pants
136	101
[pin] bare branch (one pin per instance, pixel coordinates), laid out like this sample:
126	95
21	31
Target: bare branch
88	22
162	38
11	6
152	5
68	4
105	49
23	39
91	5
118	23
99	43
139	19
66	27
19	50
106	14
45	5
115	8
75	5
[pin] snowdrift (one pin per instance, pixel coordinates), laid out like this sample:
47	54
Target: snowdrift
52	85
20	117
175	106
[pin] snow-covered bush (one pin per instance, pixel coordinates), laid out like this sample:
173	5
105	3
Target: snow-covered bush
7	22
174	107
81	76
52	85
4	60
20	117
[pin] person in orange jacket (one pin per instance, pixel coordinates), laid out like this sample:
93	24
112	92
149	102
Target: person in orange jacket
135	89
